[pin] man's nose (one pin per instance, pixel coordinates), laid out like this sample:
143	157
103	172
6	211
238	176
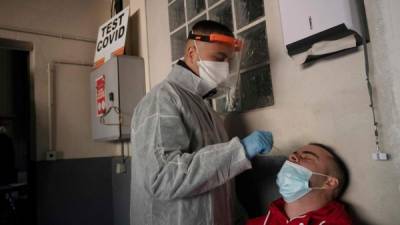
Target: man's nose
294	158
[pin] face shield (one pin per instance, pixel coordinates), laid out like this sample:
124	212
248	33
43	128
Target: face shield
228	88
235	43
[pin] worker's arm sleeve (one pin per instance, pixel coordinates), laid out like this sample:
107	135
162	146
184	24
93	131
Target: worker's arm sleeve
173	169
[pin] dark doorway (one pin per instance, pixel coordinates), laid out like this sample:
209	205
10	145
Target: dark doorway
16	199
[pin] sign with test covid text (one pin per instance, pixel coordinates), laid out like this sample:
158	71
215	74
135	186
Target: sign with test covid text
111	38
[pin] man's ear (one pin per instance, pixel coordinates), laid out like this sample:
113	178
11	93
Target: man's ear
191	54
331	183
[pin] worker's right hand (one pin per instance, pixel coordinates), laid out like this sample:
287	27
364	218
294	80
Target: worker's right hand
257	142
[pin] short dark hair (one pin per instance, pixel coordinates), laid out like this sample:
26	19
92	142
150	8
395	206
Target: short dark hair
210	26
339	169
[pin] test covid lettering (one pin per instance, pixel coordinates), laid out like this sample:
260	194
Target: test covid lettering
111	33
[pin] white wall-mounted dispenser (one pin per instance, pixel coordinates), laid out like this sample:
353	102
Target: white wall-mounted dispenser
317	28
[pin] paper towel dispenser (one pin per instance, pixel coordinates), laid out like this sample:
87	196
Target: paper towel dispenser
306	22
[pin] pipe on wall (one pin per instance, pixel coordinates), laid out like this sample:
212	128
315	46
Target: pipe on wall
50	104
47	34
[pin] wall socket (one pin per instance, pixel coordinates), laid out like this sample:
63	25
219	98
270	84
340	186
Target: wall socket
51	156
380	156
120	168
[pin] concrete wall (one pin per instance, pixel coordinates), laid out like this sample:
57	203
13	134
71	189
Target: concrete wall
74	191
327	102
82	191
82	188
121	193
139	34
76	18
383	18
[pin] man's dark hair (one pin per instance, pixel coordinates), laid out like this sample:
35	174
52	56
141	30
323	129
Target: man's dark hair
209	26
340	169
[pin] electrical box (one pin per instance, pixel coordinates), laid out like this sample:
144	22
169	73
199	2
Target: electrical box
116	88
305	22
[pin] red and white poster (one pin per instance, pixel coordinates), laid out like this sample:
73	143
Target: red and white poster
101	95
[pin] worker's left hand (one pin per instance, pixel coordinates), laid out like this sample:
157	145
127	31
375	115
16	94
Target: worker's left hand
257	142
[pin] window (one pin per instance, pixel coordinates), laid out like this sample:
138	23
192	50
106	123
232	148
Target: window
246	19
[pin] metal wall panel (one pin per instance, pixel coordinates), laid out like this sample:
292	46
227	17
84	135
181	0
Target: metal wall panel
124	77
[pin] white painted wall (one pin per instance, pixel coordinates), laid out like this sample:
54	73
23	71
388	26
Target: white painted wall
325	103
384	19
72	129
139	34
74	18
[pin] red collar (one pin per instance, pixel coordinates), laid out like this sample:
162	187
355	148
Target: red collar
333	211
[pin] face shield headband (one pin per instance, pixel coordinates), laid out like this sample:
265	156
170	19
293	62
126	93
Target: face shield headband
215	37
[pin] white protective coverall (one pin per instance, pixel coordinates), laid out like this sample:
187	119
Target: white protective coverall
182	160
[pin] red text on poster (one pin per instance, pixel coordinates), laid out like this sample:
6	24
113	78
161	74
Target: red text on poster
100	95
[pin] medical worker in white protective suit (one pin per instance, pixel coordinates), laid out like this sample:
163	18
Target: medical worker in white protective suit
183	163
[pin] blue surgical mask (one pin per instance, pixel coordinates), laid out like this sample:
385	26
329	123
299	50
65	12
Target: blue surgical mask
293	181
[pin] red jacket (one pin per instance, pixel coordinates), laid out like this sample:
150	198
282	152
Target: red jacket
331	214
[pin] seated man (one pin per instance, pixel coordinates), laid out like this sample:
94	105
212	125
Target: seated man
309	182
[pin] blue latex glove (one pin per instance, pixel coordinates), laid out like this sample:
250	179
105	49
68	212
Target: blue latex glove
257	142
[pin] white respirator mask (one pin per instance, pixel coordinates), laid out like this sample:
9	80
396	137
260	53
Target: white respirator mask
215	73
